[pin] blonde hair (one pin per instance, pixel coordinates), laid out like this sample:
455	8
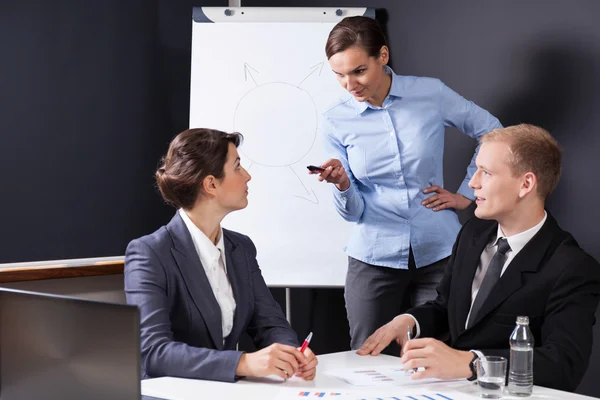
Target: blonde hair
531	149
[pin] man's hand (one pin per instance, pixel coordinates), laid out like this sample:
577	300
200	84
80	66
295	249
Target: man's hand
396	329
444	199
334	173
307	371
439	360
277	359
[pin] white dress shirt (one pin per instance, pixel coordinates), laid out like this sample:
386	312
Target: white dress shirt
213	260
516	243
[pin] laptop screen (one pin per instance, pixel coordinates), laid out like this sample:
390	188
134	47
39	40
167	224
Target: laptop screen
56	347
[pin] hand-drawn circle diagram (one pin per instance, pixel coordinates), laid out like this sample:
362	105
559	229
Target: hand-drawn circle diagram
280	122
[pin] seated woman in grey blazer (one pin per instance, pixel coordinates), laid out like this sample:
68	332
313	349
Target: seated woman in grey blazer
198	286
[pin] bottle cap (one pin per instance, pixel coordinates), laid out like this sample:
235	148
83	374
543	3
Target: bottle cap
523	320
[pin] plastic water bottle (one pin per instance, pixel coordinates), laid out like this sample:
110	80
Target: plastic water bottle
520	372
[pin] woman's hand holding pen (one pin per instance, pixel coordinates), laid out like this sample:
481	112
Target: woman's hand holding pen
334	173
444	199
394	330
277	359
307	371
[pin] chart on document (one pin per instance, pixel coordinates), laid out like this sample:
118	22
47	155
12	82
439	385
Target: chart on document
289	393
384	375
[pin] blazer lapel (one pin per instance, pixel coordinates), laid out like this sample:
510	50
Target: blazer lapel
466	273
529	259
195	278
237	273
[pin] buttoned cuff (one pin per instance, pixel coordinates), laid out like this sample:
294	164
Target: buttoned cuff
344	195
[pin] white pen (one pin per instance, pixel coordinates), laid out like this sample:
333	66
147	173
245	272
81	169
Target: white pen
409	335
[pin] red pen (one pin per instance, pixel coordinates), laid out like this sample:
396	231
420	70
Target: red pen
305	343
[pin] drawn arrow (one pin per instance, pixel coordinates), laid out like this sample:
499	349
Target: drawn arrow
310	196
248	73
314	68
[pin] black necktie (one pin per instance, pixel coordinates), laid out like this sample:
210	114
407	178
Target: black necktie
489	280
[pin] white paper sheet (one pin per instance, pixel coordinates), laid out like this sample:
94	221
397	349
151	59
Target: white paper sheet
379	394
383	375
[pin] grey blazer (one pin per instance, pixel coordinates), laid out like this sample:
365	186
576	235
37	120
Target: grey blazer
181	331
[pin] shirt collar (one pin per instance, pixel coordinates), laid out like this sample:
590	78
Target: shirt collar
395	91
207	251
518	241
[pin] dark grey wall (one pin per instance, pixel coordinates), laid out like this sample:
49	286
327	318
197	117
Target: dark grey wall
92	92
80	120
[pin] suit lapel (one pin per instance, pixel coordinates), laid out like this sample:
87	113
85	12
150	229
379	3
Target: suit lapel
466	273
195	278
529	259
236	273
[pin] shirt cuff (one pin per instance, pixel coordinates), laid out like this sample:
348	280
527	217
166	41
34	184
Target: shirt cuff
344	195
418	328
479	353
350	190
466	191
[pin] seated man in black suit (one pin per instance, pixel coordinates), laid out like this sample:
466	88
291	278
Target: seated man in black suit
541	272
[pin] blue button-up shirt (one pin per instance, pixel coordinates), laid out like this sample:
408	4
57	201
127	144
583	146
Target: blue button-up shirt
391	153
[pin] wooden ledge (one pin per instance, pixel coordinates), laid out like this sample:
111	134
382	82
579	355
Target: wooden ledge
57	271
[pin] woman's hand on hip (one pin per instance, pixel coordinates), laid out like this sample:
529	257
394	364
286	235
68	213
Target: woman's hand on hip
443	199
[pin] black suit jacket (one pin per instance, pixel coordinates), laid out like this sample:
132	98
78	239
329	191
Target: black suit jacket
552	280
181	332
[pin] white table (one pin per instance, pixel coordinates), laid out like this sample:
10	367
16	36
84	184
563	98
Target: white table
250	388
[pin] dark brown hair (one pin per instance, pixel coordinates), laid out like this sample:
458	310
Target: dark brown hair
192	156
531	149
359	31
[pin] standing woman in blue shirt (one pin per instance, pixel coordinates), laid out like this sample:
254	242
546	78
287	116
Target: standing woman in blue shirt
386	140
